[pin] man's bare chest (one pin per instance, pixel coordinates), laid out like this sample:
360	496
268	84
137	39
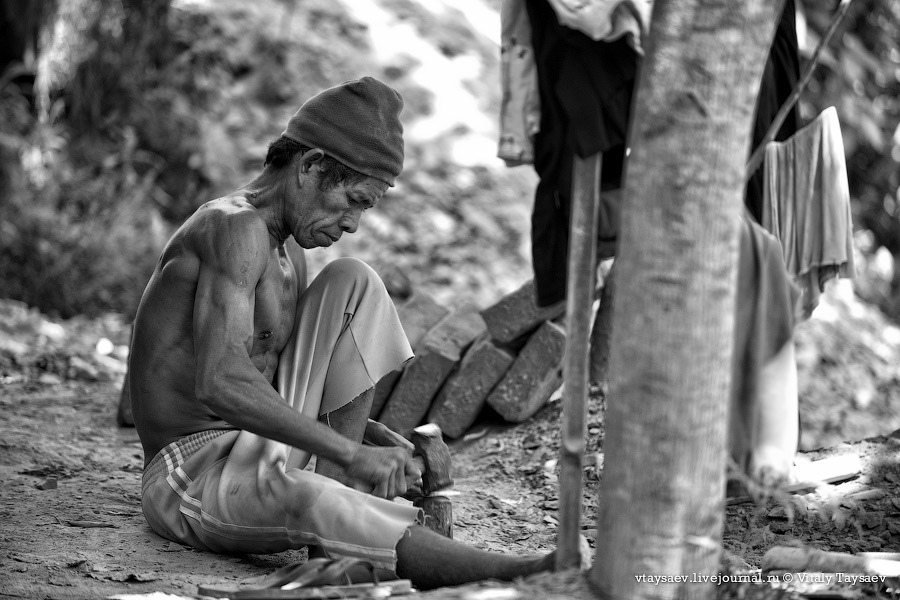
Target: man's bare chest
275	306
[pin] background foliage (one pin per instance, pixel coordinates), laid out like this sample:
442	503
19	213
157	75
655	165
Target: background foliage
119	117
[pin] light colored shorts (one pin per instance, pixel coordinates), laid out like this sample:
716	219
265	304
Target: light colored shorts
193	493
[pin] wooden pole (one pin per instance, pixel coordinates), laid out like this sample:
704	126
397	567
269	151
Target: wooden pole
579	304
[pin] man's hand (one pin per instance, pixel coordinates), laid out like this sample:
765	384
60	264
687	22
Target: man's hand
386	472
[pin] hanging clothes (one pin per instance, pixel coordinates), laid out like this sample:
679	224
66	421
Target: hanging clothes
520	106
520	109
806	205
606	20
585	89
585	92
765	309
780	76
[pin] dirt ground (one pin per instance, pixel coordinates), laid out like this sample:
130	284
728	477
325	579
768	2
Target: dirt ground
86	537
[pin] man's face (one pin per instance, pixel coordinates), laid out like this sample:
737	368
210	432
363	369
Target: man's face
320	218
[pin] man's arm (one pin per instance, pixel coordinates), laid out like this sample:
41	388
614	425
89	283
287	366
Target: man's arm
233	257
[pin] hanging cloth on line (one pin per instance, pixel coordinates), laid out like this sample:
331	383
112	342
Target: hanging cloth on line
607	20
806	205
780	76
763	409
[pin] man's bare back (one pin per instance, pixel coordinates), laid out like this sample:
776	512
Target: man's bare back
162	375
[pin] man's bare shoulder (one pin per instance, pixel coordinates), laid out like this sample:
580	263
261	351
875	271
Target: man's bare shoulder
233	211
225	224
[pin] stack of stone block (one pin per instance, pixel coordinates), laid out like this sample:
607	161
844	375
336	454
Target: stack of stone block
507	356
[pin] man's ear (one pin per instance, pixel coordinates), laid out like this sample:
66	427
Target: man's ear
306	162
310	158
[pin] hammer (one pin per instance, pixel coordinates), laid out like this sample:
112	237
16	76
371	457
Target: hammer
433	458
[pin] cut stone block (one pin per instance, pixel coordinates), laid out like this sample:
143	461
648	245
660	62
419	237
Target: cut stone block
516	315
464	393
533	377
383	390
441	350
417	315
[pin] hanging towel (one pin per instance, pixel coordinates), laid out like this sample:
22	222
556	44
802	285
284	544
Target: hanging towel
806	205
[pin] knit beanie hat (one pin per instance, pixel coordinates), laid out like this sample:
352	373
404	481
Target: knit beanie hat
356	123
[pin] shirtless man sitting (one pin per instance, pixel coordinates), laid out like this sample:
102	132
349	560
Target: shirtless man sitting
239	371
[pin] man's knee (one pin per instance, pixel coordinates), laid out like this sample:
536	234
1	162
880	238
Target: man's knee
351	269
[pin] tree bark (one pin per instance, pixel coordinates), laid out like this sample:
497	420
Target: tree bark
661	504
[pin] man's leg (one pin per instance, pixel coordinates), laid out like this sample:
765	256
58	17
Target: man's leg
427	559
431	560
347	332
350	421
